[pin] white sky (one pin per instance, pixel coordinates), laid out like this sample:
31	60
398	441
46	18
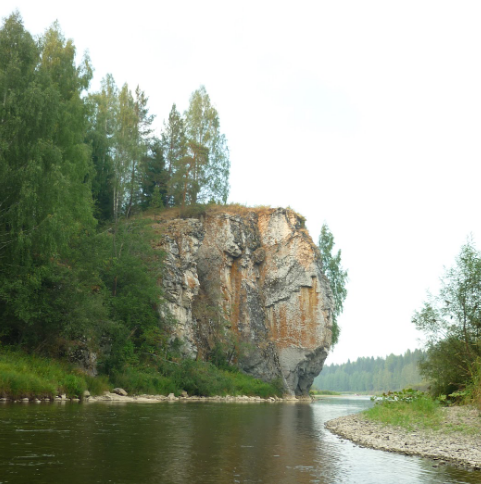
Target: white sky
366	115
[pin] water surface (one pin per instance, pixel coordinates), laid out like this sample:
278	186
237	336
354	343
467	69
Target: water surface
198	443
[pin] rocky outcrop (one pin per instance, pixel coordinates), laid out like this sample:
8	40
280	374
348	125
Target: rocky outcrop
248	283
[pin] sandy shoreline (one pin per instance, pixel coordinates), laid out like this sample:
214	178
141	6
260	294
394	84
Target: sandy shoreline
447	445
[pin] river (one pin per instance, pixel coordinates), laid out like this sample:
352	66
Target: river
198	443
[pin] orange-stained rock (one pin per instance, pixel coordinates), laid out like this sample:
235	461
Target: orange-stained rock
252	283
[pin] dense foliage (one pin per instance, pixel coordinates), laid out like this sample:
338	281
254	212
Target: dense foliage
369	374
451	322
77	168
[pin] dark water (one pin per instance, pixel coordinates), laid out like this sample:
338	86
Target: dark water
197	443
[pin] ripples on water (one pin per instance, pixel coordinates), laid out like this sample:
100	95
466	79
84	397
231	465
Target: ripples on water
198	443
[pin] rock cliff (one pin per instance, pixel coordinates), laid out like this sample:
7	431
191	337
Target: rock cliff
248	283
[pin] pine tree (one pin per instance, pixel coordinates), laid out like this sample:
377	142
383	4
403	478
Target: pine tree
174	145
155	177
103	118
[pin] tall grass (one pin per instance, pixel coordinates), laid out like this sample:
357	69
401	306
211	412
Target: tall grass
136	382
28	376
195	377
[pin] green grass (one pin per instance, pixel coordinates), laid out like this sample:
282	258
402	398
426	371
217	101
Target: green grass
138	382
194	377
422	412
28	376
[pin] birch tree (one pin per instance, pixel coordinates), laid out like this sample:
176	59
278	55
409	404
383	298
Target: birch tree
209	164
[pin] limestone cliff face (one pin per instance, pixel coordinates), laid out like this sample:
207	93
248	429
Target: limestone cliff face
251	282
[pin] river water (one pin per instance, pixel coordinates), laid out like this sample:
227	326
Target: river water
192	442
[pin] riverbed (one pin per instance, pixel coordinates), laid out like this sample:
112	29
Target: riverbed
198	442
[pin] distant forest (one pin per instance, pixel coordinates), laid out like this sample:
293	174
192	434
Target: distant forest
367	374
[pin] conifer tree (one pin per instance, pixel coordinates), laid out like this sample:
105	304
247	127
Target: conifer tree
174	145
155	178
103	117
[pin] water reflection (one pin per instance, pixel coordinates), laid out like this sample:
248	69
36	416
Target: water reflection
198	443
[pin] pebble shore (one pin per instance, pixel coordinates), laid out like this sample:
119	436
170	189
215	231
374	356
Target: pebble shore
447	445
113	397
123	397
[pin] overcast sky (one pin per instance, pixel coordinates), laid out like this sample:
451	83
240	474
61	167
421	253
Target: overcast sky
364	115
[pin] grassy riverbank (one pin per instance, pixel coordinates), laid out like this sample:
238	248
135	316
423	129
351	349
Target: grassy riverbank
452	437
29	376
411	410
413	423
417	411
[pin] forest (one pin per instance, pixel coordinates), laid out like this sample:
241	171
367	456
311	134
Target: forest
77	171
369	374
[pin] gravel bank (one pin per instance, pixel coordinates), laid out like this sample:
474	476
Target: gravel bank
124	398
448	445
112	397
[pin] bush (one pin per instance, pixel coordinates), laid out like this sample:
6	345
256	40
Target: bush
97	385
72	385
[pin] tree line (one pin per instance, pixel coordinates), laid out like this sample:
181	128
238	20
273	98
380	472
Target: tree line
77	270
369	374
